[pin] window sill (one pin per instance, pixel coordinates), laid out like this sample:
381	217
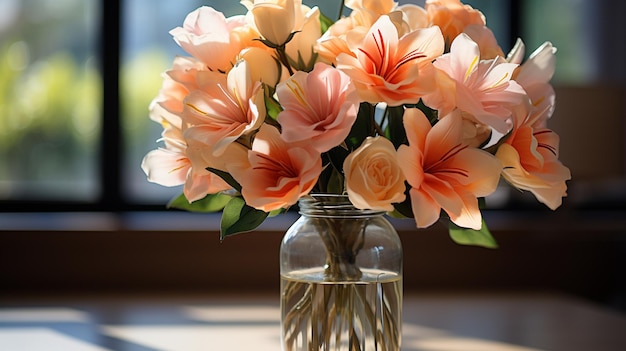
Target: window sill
562	220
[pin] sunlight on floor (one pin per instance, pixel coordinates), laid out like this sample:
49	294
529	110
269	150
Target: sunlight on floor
42	315
42	339
224	328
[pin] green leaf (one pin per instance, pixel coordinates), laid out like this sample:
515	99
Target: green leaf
467	236
325	22
396	214
210	203
432	115
337	156
404	208
300	65
272	107
238	217
335	182
494	148
226	177
395	127
362	127
482	203
277	212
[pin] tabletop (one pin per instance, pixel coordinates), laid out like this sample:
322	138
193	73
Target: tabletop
431	322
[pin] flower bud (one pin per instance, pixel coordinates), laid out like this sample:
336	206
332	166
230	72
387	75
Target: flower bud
263	66
274	19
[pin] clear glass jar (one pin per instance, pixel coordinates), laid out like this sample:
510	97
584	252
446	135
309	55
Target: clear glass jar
341	279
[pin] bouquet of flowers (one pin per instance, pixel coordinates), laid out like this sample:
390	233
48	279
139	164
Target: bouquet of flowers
411	110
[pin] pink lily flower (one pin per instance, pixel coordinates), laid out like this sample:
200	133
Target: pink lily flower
482	89
320	107
225	108
534	76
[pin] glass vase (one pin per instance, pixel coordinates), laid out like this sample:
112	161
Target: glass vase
341	279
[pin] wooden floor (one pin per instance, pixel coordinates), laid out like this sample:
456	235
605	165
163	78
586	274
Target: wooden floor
432	322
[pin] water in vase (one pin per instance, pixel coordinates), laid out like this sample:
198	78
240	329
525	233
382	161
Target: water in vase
341	316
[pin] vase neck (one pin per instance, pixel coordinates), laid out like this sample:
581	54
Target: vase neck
332	206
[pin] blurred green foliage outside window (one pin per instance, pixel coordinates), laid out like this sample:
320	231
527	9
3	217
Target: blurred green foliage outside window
50	100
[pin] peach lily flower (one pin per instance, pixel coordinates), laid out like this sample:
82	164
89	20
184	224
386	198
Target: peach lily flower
276	173
530	158
534	76
177	162
415	16
482	89
178	81
225	108
452	17
335	40
210	37
443	172
182	163
319	107
486	40
394	70
380	7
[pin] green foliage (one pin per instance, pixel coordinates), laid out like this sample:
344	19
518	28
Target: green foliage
325	22
467	236
139	84
50	110
272	107
432	115
395	129
238	217
363	126
210	203
404	208
55	98
335	182
226	177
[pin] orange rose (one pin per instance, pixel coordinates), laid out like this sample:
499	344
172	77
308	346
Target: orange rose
373	177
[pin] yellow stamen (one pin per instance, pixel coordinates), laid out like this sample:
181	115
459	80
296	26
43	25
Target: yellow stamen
539	101
471	67
238	98
176	169
196	109
297	90
506	75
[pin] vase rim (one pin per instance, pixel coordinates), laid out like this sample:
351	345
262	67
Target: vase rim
333	205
